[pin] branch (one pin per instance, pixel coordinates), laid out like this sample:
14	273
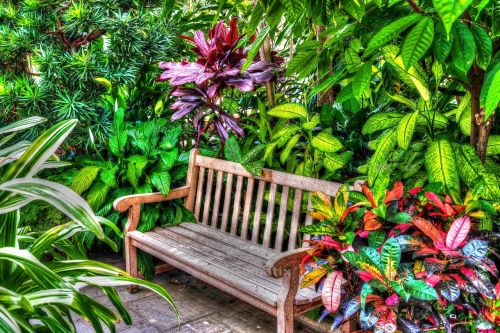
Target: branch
415	7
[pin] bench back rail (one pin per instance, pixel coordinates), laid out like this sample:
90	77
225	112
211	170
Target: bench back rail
259	209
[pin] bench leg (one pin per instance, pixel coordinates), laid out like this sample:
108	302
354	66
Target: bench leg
286	300
131	264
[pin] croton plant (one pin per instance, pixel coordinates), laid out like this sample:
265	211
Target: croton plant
410	261
202	86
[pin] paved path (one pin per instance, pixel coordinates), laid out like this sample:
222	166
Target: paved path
202	309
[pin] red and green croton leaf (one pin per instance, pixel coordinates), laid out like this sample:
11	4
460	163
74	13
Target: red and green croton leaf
390	258
430	231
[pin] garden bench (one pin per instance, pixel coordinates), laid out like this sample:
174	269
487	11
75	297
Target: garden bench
244	254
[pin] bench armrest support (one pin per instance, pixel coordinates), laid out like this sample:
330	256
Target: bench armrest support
124	203
277	265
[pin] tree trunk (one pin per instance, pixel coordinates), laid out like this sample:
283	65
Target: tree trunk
479	130
265	54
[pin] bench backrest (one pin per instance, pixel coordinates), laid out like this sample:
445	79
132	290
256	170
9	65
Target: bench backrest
260	209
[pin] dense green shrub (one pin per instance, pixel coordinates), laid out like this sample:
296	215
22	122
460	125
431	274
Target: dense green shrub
51	53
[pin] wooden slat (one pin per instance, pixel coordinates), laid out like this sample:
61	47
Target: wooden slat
218	191
237	205
280	230
223	244
269	215
258	211
307	184
208	196
227	202
230	240
224	263
308	221
294	224
207	272
246	208
199	191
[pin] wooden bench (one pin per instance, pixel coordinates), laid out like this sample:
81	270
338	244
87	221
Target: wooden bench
240	244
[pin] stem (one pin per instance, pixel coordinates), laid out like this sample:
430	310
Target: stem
415	7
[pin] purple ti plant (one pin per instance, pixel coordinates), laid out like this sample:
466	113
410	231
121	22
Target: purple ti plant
199	86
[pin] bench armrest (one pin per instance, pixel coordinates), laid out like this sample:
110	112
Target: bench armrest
277	265
124	203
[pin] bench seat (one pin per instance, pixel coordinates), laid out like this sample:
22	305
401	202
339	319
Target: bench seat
222	257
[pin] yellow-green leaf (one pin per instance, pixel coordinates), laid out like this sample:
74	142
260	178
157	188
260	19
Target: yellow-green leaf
326	142
288	111
406	128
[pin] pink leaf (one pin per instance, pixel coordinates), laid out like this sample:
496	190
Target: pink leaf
458	232
392	300
331	291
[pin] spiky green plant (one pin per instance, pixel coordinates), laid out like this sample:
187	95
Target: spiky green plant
42	274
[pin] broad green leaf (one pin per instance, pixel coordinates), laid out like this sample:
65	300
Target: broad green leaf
442	43
282	136
405	130
464	48
442	168
361	80
450	10
310	125
381	121
289	111
465	121
254	49
59	196
326	142
294	7
170	138
414	76
354	8
161	180
406	101
168	159
334	162
420	290
135	167
381	155
472	170
484	46
390	257
232	151
493	145
302	63
328	83
389	32
82	181
97	194
285	153
351	59
22	124
418	41
490	93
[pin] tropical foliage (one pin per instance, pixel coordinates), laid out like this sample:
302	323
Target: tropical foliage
222	64
42	273
408	260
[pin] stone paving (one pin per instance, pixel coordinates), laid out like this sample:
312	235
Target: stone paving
202	309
